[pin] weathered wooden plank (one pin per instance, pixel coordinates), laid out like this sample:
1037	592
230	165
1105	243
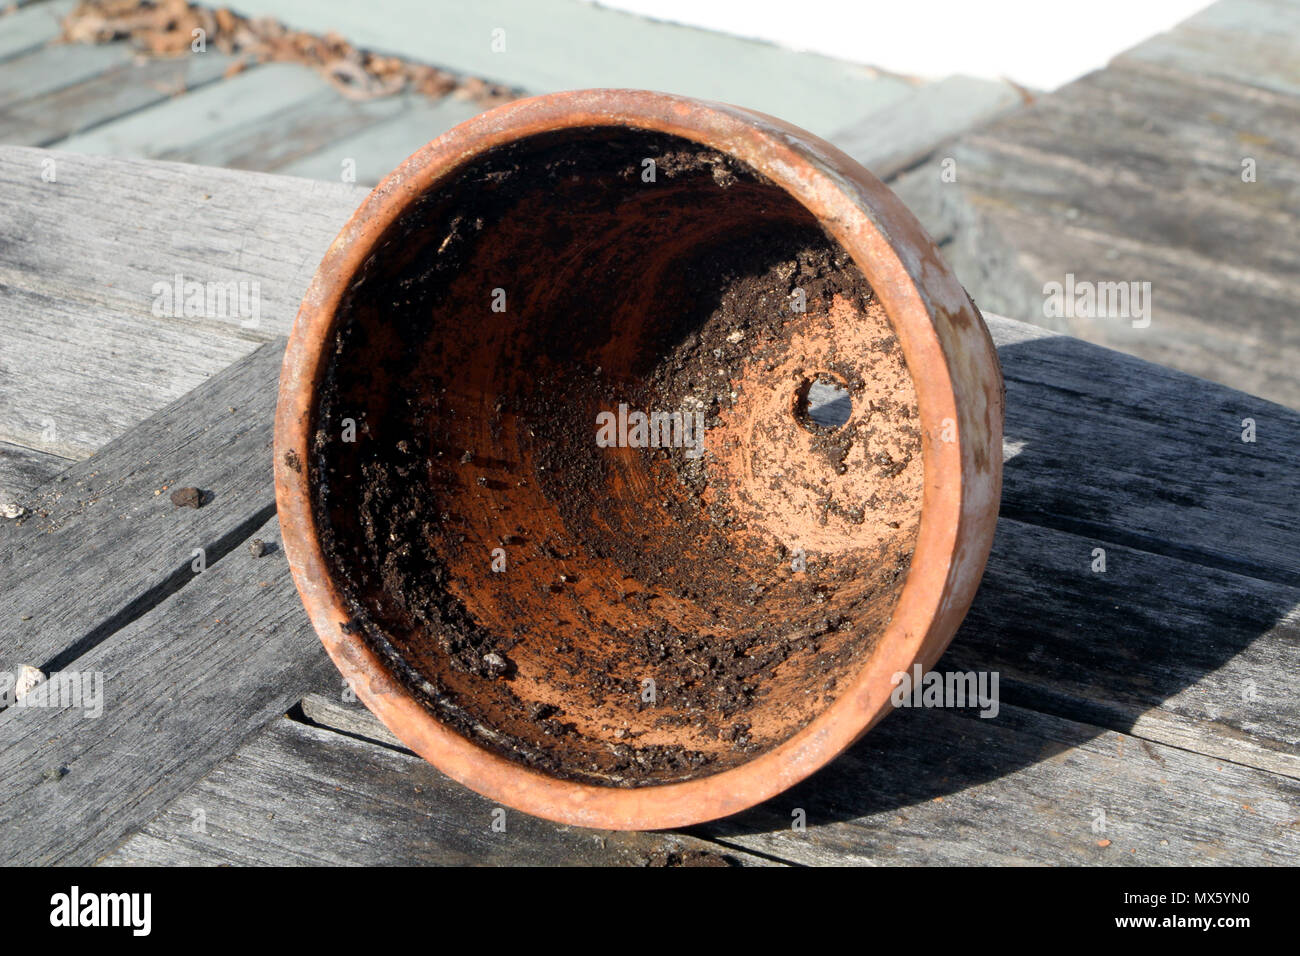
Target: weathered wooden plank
172	694
300	795
217	110
23	469
903	133
104	542
83	260
568	44
1135	174
107	230
1168	651
269	142
54	67
378	150
70	379
945	787
335	707
938	787
1207	666
46	119
1114	447
34	26
1255	42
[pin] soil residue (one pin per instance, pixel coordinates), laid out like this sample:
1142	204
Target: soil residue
619	615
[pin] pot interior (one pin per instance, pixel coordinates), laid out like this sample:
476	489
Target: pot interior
617	459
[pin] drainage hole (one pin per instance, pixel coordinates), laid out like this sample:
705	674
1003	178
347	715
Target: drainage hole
824	402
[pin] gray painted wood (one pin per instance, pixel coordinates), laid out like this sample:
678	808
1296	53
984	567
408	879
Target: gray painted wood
935	787
569	44
300	795
377	150
182	686
104	543
171	128
269	142
54	67
46	119
903	133
31	27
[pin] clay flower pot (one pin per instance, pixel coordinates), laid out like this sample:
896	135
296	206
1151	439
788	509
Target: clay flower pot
552	474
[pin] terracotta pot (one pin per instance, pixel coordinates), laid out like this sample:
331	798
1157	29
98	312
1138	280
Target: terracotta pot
528	592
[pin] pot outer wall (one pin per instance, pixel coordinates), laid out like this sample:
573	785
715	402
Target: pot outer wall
960	397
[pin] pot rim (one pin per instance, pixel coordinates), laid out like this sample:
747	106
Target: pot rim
950	358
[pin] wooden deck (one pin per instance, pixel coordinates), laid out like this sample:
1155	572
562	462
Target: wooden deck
1160	693
1148	713
1177	165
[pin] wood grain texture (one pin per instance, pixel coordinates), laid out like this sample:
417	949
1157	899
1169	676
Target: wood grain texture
24	469
1252	42
301	795
45	119
377	150
1135	174
69	383
1107	445
104	543
1163	649
83	256
182	687
902	134
936	787
335	706
107	230
173	129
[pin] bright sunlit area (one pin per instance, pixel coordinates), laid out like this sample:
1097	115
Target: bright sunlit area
1034	44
